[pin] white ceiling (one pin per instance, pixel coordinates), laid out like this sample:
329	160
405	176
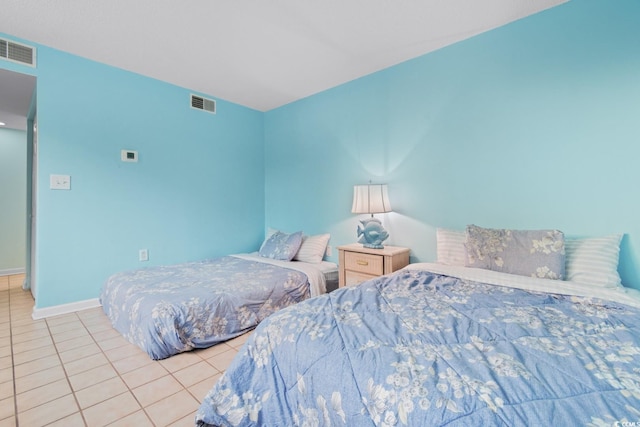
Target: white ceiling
257	53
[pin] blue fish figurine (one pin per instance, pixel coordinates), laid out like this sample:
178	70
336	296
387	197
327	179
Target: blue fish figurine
372	233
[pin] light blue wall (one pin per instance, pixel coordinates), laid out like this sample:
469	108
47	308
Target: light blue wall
13	199
196	192
532	125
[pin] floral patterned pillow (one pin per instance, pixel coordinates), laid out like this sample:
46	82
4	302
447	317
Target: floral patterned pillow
281	246
534	253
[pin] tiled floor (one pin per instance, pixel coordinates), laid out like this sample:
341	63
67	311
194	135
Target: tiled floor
76	370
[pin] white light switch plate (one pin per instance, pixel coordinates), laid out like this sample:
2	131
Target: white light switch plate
60	182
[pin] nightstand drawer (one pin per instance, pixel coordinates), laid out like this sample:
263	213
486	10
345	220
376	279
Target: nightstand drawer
364	263
359	264
354	278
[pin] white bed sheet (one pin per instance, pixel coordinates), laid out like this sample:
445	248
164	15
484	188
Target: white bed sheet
621	294
315	272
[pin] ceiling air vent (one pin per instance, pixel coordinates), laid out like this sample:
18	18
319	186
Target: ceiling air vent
200	103
17	52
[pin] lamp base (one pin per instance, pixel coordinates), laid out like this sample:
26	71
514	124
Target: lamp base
372	233
372	246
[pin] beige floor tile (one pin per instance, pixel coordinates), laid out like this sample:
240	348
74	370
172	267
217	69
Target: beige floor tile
92	313
73	420
35	354
5	350
79	353
5	362
86	363
222	361
91	377
8	422
194	373
111	410
157	390
100	392
199	390
137	419
6	373
21	347
97	327
172	408
74	343
132	363
65	327
70	334
123	352
34	325
46	393
48	413
37	365
206	353
63	318
143	375
186	421
180	361
107	334
7	408
36	334
38	379
6	389
111	343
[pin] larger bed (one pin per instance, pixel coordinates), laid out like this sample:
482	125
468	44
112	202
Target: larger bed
435	345
167	310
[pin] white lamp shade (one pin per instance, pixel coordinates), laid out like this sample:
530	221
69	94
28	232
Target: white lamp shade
370	199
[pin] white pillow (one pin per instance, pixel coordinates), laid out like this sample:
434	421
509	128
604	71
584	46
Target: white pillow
313	248
450	246
594	261
591	261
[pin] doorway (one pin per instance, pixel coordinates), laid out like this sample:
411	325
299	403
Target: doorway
18	113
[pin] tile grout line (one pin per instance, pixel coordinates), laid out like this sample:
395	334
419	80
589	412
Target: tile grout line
66	374
13	362
110	362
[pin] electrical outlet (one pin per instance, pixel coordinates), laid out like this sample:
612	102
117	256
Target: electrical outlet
143	255
328	251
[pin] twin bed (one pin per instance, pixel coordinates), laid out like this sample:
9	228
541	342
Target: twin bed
167	310
450	344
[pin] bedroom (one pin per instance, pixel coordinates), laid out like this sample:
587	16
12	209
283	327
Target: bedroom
531	125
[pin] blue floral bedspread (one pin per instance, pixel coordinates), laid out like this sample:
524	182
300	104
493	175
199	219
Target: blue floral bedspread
421	349
166	310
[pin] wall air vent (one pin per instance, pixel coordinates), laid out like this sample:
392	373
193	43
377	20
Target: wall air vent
200	103
17	52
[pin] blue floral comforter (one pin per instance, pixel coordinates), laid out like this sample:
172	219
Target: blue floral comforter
166	310
422	349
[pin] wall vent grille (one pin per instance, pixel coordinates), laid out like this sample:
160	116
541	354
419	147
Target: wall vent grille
17	52
204	104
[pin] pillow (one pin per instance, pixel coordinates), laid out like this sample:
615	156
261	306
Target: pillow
312	248
535	253
594	261
450	247
281	246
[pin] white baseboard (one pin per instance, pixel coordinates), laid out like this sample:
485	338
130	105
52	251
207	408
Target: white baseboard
10	271
56	310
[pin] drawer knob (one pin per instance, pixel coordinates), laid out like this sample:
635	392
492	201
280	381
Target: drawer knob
362	262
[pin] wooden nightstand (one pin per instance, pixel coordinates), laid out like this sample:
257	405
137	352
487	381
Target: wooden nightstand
358	263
